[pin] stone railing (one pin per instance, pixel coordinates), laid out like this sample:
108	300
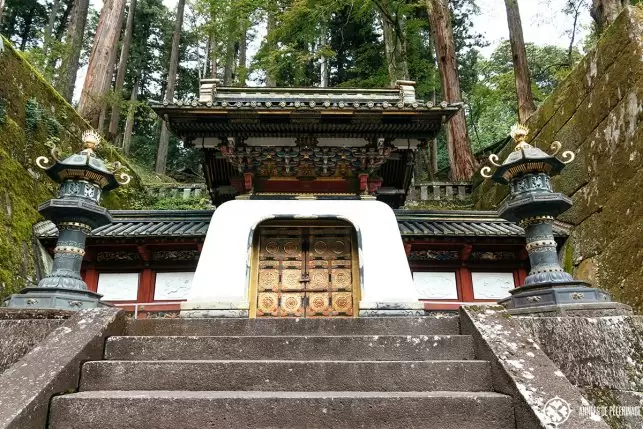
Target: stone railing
442	191
179	190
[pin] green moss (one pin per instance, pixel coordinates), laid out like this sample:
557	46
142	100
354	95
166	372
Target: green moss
600	397
568	258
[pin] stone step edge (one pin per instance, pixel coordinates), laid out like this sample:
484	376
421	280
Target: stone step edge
435	337
254	394
284	361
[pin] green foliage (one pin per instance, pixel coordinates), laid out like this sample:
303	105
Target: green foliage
3	113
33	114
23	21
491	101
178	203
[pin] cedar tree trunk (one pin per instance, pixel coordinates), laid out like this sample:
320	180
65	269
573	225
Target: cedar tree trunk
129	123
69	68
101	61
122	68
460	157
161	155
526	104
604	12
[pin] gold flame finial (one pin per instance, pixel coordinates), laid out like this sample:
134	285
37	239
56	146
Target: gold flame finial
519	133
91	140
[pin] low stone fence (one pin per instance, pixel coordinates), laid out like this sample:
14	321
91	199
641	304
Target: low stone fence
442	191
184	191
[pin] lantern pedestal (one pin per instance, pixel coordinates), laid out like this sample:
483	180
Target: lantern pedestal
533	204
83	177
53	297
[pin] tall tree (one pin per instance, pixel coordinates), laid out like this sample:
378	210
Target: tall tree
122	69
129	123
460	157
526	104
1	9
393	23
101	61
66	79
161	156
53	14
604	12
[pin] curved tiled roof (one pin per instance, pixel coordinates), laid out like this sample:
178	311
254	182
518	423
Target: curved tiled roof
194	223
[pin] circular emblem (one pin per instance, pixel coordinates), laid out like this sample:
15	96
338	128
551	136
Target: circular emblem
320	247
341	279
342	302
291	247
272	247
291	303
558	410
338	247
267	302
318	303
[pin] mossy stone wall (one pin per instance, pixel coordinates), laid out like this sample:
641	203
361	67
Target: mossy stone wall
32	113
596	112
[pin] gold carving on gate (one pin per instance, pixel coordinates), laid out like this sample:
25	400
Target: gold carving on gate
268	279
318	279
272	247
292	248
342	302
291	279
341	278
268	303
339	247
291	304
320	247
318	303
304	271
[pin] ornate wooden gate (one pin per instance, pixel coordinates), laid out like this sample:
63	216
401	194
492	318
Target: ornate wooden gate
305	271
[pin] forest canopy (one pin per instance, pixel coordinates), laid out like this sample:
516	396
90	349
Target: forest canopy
160	53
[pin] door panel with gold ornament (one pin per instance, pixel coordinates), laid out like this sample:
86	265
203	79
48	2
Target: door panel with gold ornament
305	271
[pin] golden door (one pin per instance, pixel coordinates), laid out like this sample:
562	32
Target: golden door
305	271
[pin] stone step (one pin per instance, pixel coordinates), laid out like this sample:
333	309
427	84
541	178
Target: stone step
430	325
462	375
286	410
349	347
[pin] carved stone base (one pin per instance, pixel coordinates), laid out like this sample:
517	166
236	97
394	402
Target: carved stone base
391	309
66	299
591	309
548	294
209	309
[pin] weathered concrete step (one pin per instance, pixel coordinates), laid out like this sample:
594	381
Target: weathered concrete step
285	410
349	347
463	375
430	325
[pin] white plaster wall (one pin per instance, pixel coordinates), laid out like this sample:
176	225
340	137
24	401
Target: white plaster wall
118	286
436	285
222	273
491	285
172	285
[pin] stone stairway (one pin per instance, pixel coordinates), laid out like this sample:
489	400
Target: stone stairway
287	373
